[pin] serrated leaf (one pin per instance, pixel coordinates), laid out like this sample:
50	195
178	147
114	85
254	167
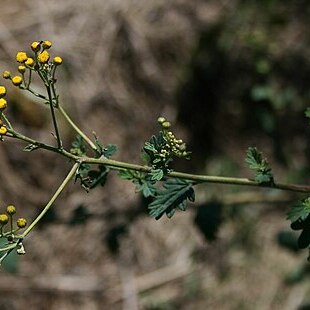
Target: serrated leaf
149	147
259	165
146	188
156	174
109	150
263	177
253	158
30	147
299	212
173	196
126	175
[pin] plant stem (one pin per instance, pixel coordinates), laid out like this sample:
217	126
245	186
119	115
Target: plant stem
50	100
200	178
76	128
52	200
119	165
19	136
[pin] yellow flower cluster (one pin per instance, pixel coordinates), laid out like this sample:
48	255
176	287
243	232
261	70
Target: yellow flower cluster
39	61
3	105
8	216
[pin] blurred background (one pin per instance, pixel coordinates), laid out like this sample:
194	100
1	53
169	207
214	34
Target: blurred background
228	74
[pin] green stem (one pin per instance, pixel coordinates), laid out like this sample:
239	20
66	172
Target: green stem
9	247
7	121
50	100
199	178
76	128
36	94
19	136
52	200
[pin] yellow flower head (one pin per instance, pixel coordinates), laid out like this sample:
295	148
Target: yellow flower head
6	74
3	130
43	57
2	91
35	46
3	219
21	57
57	60
21	222
21	69
29	62
3	104
17	80
11	209
46	44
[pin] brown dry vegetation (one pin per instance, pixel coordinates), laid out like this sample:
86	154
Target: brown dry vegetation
123	64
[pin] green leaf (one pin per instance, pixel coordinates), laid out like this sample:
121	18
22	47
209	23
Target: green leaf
259	165
156	174
146	188
142	181
127	174
78	146
263	177
172	197
253	158
299	212
105	150
307	112
109	150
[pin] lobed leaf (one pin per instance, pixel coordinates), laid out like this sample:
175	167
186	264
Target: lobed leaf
174	196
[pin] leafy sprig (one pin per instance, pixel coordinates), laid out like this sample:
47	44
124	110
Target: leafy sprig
260	166
161	150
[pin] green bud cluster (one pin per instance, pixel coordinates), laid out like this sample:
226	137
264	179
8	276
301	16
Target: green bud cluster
173	146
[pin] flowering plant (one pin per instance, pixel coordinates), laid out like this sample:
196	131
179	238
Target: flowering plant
168	190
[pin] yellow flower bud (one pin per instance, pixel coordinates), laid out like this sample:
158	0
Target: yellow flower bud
57	60
11	209
29	62
43	57
6	74
21	222
3	104
35	46
3	130
47	44
17	80
21	57
3	219
2	91
21	69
